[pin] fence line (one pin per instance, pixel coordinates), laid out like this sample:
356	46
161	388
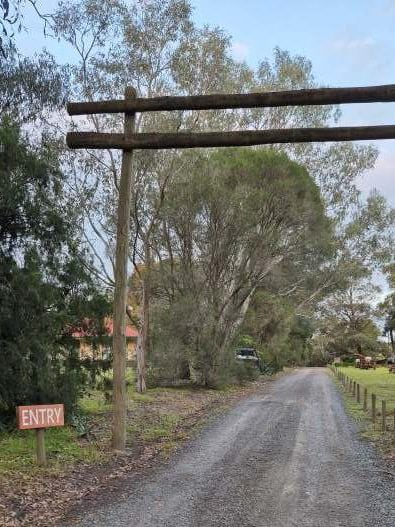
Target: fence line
354	389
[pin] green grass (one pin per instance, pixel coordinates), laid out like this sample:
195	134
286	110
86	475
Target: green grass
155	418
18	450
163	428
379	382
94	403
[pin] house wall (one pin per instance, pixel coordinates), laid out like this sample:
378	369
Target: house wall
101	351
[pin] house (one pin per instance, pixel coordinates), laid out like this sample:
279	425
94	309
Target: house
98	347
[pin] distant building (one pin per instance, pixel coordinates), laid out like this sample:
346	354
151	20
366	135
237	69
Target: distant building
99	347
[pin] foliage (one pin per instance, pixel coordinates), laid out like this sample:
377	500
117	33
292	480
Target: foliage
44	285
224	233
347	320
387	307
156	47
12	20
220	246
31	87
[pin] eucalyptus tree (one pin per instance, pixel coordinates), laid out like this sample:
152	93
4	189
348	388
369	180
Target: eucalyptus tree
347	319
150	46
227	224
31	88
12	20
156	47
387	307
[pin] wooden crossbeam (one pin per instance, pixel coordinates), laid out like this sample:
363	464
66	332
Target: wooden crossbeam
310	97
219	139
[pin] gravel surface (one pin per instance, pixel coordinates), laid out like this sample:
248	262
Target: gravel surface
289	457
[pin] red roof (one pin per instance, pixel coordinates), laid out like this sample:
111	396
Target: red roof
130	331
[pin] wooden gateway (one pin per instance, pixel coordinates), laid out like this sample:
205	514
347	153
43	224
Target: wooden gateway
129	140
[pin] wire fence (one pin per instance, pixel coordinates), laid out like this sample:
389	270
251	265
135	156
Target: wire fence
377	409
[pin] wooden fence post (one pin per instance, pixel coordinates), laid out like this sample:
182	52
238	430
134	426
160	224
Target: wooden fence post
373	408
365	399
354	385
383	416
358	393
40	447
120	294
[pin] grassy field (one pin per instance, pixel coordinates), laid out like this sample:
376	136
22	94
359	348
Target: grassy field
382	384
378	381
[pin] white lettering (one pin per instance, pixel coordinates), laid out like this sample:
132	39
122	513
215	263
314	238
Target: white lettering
33	417
50	416
42	412
57	413
25	418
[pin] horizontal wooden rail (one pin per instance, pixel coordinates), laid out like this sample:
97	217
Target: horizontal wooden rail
308	97
218	139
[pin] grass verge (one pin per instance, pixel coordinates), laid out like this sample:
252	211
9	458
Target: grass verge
379	383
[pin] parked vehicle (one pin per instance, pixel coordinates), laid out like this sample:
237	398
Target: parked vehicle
248	355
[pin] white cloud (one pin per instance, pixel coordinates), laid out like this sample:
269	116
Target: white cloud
368	56
240	50
353	44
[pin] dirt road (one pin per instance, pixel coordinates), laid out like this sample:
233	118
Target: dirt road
289	457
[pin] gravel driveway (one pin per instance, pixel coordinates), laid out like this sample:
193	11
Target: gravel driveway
289	457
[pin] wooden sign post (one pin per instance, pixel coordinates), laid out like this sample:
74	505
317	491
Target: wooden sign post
40	417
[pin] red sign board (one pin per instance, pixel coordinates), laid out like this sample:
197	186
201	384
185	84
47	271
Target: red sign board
40	416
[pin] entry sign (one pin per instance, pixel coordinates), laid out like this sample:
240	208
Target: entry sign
40	416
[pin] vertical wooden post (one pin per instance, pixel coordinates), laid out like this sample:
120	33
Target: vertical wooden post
358	393
365	399
373	408
354	384
383	416
40	447
120	294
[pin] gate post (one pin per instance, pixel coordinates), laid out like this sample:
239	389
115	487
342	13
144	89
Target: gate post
120	294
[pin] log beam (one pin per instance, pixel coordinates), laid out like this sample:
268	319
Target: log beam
310	97
220	139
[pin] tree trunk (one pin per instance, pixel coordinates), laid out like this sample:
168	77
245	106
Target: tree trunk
143	349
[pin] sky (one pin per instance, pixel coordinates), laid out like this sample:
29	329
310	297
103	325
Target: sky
350	43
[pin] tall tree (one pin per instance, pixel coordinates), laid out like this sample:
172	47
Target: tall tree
227	224
45	286
346	318
387	307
